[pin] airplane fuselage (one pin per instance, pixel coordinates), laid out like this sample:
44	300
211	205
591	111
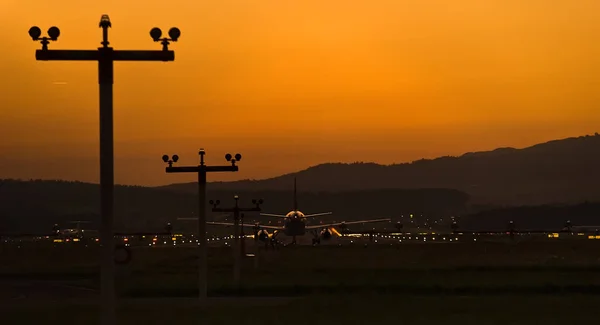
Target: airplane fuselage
294	224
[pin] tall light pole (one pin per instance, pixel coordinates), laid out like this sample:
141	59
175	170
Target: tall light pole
202	169
105	56
236	209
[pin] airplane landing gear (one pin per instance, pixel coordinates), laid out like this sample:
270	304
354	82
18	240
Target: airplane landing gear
316	239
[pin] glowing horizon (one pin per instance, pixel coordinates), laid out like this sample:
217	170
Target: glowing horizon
296	83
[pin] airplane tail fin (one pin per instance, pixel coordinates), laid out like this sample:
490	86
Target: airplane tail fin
295	196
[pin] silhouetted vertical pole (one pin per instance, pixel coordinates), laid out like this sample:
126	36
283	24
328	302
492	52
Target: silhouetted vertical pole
236	245
105	56
242	237
201	170
257	252
202	242
107	278
237	257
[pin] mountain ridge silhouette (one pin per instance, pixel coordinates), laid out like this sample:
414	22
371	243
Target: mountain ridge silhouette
556	171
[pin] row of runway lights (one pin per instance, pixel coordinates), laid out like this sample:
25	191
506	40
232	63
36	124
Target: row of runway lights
175	240
423	237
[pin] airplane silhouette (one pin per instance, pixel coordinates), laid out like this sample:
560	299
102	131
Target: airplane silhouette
295	223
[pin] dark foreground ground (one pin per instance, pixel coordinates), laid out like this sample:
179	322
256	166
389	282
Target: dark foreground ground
531	267
352	309
525	282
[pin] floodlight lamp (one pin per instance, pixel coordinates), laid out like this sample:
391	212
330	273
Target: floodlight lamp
175	158
218	202
174	34
155	33
228	157
35	33
211	202
254	201
54	33
165	158
260	201
238	157
235	197
201	152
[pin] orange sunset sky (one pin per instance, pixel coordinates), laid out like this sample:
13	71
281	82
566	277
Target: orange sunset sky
290	84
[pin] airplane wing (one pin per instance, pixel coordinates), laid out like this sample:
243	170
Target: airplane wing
245	225
337	224
273	215
317	214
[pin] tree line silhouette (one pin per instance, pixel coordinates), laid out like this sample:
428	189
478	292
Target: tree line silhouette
36	205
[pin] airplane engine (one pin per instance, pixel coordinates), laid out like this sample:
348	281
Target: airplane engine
326	234
262	235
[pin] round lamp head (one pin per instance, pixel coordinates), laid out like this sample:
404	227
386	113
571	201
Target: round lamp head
54	33
35	33
228	157
165	158
211	202
155	33
175	158
238	157
174	34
